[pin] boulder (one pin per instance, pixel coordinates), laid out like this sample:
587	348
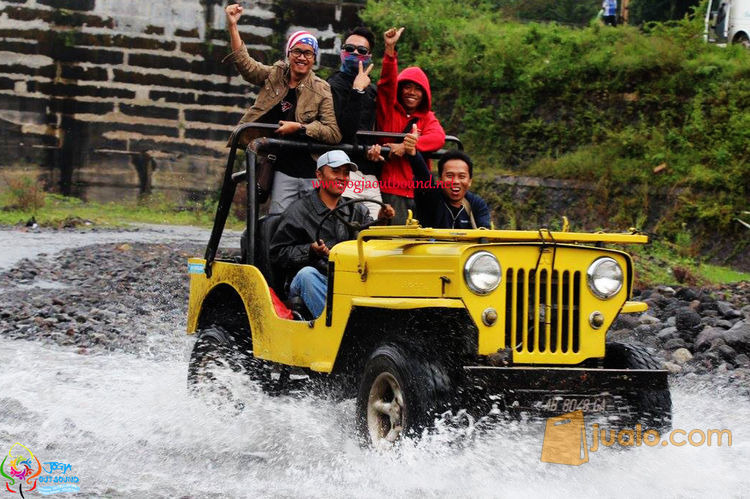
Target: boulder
667	334
738	337
625	321
649	319
681	355
686	318
675	343
621	335
727	310
742	360
672	367
705	337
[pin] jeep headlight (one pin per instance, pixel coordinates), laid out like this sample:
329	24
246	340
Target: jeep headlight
482	272
604	277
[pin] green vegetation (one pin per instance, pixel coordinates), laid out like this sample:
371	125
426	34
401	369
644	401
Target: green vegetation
658	120
59	211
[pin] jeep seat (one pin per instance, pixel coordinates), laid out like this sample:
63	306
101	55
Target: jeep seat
267	227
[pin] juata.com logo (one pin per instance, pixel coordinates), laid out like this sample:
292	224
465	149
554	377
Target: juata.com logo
565	439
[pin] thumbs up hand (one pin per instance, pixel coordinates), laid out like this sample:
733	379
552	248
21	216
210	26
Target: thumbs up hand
410	141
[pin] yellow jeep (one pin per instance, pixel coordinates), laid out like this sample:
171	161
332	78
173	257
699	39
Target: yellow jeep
419	320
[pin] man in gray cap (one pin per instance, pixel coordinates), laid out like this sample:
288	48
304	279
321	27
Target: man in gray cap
294	248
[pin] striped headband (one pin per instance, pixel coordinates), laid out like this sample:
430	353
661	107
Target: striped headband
302	37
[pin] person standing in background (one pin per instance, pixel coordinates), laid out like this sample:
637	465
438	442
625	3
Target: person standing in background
610	12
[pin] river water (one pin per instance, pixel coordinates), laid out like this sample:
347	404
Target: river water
127	425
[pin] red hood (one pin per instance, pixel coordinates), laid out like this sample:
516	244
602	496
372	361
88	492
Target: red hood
416	75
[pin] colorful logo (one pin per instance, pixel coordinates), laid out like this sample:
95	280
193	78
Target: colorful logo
20	469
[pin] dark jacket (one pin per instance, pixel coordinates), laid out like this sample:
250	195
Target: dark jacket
290	246
354	110
392	117
432	207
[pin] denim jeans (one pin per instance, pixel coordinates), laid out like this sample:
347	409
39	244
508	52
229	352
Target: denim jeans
311	285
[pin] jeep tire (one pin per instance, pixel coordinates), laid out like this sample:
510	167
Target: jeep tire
399	395
214	351
651	408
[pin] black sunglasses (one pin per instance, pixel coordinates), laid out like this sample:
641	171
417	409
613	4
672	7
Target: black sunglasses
361	49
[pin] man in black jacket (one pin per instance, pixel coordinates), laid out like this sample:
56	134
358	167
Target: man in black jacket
447	202
294	247
353	94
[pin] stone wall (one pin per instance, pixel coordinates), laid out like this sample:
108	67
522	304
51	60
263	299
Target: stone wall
109	99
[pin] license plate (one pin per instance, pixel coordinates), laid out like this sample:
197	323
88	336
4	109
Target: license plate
570	403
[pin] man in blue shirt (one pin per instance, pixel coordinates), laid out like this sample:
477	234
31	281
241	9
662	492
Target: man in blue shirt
610	12
446	204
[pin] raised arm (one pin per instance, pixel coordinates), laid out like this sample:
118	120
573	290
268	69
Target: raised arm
387	85
250	69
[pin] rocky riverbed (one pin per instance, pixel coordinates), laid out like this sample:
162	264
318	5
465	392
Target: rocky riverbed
125	296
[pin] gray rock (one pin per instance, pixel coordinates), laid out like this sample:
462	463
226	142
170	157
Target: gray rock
625	321
672	367
726	352
644	330
667	333
671	321
739	337
622	335
674	344
686	318
681	355
687	294
727	310
742	360
746	311
649	319
704	338
666	290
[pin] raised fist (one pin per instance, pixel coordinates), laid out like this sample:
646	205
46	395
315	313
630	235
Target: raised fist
392	35
234	12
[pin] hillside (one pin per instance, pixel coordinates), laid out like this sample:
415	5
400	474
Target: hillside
655	119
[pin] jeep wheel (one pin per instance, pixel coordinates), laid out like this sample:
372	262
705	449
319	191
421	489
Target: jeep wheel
399	395
212	362
652	408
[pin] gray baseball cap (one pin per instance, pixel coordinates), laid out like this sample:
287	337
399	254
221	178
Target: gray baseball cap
335	159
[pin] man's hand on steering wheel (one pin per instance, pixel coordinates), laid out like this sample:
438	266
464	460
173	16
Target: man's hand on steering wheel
386	212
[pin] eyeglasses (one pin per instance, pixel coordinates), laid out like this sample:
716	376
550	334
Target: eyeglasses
309	54
361	49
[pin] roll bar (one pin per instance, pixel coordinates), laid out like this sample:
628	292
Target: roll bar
257	145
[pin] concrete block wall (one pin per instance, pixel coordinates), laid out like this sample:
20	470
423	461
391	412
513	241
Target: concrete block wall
110	99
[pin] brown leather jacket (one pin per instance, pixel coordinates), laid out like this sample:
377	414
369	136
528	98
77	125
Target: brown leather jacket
314	101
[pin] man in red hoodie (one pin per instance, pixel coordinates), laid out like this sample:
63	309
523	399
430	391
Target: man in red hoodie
402	101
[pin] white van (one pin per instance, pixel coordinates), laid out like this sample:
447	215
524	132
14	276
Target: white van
728	21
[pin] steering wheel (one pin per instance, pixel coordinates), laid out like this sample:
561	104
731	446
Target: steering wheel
354	226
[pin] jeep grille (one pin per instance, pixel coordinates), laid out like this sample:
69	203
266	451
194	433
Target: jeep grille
542	310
